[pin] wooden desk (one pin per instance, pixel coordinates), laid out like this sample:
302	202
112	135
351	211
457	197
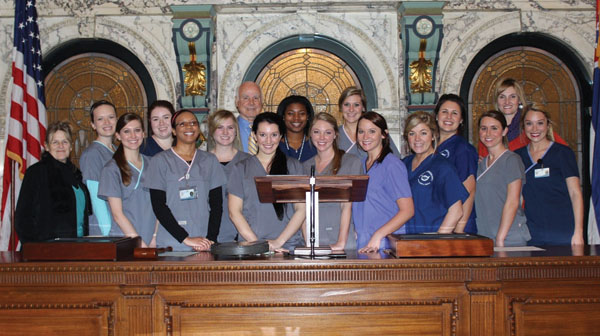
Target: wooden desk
549	293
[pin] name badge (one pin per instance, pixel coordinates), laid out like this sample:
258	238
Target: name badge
188	194
541	172
182	222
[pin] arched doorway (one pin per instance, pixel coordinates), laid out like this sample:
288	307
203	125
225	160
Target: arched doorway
551	73
317	67
81	72
544	78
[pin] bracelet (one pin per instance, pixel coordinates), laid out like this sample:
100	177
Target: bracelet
154	235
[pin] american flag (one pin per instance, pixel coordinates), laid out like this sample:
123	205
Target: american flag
27	122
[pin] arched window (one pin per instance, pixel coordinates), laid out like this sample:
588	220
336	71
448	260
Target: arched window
317	67
82	72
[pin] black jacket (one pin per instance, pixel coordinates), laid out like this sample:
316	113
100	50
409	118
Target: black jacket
46	208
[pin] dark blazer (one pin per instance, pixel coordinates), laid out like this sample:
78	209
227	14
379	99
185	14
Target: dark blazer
46	208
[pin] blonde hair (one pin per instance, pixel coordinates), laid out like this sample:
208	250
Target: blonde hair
536	107
215	120
336	162
422	117
505	84
352	91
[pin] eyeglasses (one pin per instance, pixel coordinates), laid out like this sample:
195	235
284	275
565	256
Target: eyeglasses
187	123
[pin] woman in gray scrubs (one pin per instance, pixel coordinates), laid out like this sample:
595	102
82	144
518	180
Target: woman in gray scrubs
278	223
223	141
335	219
186	189
500	176
120	183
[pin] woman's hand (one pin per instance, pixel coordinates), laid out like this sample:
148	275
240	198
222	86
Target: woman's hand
198	243
372	246
276	246
577	239
152	242
337	246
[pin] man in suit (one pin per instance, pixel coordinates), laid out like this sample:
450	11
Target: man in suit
249	104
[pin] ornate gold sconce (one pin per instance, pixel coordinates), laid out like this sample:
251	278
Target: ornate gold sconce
195	74
420	72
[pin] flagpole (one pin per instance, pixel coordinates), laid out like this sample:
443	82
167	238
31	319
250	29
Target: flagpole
13	233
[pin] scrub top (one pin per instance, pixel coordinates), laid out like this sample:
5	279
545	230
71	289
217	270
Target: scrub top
170	173
458	151
305	152
261	216
92	160
228	232
350	147
135	198
435	187
150	147
490	197
548	206
388	182
330	213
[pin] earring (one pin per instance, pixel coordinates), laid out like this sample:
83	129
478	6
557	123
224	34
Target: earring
520	106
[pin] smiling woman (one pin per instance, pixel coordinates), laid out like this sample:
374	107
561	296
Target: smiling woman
297	112
437	191
53	201
120	183
186	189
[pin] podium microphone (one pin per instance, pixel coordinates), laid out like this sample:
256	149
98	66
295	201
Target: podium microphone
312	182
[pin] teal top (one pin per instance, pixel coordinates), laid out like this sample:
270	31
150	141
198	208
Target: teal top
80	209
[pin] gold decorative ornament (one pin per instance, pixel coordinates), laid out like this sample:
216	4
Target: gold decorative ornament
420	72
195	75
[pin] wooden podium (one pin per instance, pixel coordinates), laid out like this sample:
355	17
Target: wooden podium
295	189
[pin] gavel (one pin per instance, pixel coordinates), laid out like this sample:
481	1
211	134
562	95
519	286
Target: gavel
149	252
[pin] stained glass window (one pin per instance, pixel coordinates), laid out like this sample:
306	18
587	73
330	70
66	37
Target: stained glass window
545	79
74	84
314	73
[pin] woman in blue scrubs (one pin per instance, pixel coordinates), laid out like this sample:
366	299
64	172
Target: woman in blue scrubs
553	199
437	191
297	113
388	203
159	127
450	112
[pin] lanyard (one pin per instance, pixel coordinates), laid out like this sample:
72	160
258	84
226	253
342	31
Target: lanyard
187	173
301	147
493	163
541	157
139	173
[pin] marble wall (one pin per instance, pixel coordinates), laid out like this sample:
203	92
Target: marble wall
245	28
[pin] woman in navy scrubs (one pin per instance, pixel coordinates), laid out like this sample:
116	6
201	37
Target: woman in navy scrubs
450	112
553	199
297	113
437	191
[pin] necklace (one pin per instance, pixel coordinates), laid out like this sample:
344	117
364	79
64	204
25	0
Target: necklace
287	146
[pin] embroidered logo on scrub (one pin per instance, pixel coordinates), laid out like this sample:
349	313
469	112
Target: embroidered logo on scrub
445	153
426	178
